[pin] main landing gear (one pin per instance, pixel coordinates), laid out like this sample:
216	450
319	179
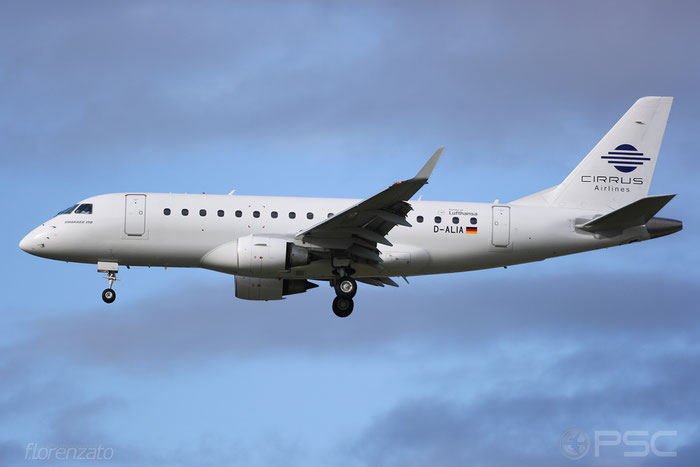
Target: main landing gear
345	290
109	295
342	307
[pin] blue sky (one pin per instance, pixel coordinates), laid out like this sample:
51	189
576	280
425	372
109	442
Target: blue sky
341	99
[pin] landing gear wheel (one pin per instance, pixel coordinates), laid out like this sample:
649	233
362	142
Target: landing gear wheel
345	287
342	307
109	295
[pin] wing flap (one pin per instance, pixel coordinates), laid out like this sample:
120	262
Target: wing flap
371	281
378	281
388	281
391	217
365	253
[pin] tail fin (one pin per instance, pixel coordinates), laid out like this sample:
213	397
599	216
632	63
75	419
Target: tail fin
619	169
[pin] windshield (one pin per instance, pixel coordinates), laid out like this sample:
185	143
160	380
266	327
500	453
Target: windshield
84	209
67	211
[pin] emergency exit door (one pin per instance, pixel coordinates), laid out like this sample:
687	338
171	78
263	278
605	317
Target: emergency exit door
500	231
135	216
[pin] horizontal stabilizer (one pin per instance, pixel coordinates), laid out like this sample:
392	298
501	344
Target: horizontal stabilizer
634	214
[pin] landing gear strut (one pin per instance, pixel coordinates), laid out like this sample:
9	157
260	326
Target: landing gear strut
345	289
109	295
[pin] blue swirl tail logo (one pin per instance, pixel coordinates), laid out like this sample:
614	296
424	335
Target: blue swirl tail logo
625	158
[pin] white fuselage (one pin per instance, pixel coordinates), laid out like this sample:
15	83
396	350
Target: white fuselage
470	236
276	245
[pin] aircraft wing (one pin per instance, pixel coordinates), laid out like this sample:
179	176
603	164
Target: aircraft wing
357	230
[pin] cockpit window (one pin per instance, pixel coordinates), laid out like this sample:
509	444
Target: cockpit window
84	209
67	211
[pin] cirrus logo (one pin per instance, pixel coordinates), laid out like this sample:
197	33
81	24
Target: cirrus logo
625	158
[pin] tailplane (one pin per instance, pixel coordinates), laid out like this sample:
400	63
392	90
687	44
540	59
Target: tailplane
619	169
633	215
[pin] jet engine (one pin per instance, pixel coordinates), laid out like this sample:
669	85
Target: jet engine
265	256
254	288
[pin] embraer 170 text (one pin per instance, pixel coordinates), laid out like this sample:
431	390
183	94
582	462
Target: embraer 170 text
276	245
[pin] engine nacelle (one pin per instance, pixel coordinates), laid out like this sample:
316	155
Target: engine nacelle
265	256
255	288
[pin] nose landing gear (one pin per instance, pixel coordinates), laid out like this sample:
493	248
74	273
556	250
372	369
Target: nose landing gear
109	295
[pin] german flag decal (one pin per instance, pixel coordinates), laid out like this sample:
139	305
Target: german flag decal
471	230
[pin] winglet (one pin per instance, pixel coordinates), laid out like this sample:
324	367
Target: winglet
427	169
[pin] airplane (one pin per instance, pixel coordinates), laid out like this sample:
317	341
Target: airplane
275	246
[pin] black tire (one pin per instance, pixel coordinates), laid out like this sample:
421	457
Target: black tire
109	295
345	287
342	307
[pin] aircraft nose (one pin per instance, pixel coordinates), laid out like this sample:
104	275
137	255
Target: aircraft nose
26	243
35	240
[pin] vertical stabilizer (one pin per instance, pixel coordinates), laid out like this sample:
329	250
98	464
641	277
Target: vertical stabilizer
619	169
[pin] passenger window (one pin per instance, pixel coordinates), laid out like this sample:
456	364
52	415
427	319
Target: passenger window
239	213
166	211
292	215
185	212
330	214
472	221
84	209
274	214
309	215
202	212
438	219
220	213
256	214
419	219
455	220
